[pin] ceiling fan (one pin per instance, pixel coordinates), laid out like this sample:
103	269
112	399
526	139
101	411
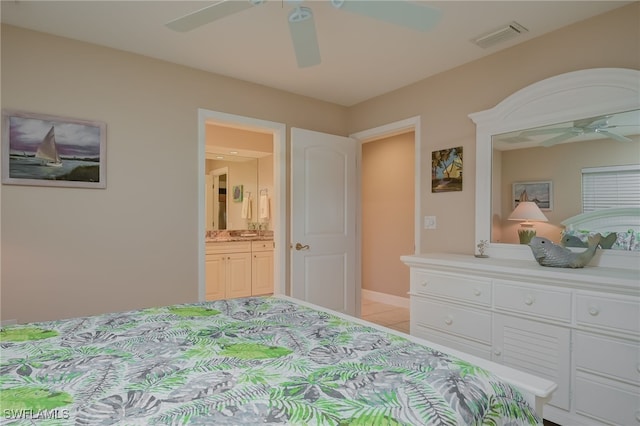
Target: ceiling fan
301	23
594	125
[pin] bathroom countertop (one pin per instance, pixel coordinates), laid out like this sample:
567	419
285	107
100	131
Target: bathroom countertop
238	235
228	239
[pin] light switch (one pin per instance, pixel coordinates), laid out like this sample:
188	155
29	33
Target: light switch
429	222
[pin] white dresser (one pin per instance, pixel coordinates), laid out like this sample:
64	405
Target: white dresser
577	327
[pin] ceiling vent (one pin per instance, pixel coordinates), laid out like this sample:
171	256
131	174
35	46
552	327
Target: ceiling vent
499	35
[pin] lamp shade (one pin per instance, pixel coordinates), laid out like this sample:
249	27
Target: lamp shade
528	211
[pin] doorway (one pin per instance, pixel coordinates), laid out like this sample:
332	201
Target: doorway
278	131
383	277
278	201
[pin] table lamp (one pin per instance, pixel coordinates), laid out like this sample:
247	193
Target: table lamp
527	212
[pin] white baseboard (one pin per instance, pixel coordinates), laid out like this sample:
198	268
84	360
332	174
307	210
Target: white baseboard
389	299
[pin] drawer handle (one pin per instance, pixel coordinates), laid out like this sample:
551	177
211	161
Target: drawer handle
593	311
529	300
448	320
477	292
497	352
424	283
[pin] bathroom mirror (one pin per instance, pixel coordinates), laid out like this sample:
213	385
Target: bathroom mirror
562	100
224	212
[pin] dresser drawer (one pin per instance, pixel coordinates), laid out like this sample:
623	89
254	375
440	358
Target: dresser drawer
606	401
608	312
613	357
468	323
461	344
458	287
533	300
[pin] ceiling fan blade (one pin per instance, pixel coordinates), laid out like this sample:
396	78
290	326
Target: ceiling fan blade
551	131
407	14
208	14
615	136
304	37
592	122
557	139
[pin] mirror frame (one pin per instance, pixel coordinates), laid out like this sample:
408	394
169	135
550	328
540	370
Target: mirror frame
565	97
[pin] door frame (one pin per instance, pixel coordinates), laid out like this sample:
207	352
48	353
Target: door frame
278	130
370	135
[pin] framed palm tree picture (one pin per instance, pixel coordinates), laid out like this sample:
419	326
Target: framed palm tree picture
446	170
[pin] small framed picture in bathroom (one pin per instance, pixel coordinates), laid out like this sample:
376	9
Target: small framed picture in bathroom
237	193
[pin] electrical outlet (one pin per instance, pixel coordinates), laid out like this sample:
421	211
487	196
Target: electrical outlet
429	222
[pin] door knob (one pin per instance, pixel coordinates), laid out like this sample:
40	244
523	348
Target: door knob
302	247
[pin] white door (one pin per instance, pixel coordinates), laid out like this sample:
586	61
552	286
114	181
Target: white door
323	207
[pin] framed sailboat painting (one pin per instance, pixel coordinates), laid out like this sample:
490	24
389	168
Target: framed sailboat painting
47	150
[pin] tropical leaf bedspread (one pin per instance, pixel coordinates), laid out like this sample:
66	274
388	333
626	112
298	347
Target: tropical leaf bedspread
257	360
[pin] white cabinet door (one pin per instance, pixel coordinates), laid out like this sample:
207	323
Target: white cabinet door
262	273
238	266
215	274
540	349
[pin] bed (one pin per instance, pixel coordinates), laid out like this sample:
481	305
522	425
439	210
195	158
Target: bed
619	227
256	360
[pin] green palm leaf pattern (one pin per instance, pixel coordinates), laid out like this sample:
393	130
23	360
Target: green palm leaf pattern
21	334
33	398
244	361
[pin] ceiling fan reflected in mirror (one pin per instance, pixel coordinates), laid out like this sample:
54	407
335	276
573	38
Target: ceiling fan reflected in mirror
302	27
589	126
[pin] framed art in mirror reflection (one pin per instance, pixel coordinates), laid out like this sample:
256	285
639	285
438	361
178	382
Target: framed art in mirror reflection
540	192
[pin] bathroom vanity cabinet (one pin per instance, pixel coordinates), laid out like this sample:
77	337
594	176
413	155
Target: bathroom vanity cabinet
238	269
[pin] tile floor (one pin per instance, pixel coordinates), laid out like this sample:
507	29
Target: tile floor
386	315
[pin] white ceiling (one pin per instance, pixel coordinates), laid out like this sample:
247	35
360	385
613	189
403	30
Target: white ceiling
361	57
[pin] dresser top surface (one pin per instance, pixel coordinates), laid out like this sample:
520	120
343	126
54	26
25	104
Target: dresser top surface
590	277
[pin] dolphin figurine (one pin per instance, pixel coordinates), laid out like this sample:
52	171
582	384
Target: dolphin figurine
572	241
547	253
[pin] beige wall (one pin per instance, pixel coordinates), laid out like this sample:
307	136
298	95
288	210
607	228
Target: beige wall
69	252
387	213
445	101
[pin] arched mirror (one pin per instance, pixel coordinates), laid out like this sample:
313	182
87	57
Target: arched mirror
540	138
